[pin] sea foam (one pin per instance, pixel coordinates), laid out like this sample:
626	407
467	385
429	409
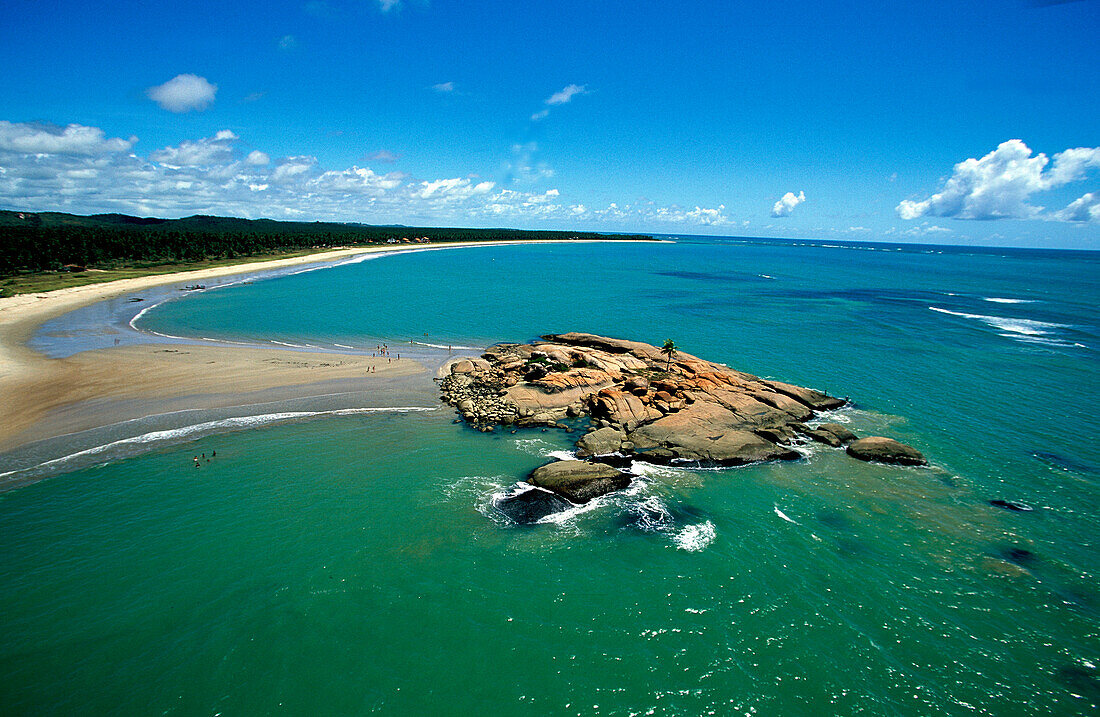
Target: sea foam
1022	327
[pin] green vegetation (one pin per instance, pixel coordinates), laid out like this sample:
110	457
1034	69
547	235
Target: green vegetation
36	248
669	349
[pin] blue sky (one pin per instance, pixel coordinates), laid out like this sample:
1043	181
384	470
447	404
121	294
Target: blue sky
941	122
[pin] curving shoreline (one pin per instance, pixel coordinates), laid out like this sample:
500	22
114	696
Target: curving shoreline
48	398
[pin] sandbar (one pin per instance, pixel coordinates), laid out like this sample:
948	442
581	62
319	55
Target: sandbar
45	397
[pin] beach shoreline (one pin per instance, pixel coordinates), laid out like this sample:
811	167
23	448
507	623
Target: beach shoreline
98	389
49	398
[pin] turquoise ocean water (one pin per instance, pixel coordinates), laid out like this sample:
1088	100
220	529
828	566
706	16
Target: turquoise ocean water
354	564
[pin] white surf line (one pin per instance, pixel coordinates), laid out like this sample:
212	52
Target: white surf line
234	422
311	397
787	518
784	516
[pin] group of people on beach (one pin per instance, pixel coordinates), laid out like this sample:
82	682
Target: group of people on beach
384	350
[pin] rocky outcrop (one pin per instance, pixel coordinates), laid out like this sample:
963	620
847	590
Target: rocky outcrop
601	442
641	405
885	450
578	481
530	506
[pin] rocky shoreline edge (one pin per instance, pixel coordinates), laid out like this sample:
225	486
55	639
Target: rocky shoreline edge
657	405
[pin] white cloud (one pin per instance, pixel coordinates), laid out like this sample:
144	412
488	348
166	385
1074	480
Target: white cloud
198	153
923	229
525	167
566	94
36	138
444	87
215	175
383	155
183	93
1083	209
388	5
561	97
787	203
291	167
1000	184
288	42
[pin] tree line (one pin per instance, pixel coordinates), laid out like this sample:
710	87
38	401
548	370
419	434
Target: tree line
50	241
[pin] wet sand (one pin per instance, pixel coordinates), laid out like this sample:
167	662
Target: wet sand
47	397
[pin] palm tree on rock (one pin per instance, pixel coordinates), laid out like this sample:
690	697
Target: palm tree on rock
669	349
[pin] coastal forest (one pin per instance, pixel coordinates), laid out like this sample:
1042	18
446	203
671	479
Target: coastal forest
54	241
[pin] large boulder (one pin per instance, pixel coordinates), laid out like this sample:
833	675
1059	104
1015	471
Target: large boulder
600	442
578	481
814	399
707	433
839	432
885	450
531	506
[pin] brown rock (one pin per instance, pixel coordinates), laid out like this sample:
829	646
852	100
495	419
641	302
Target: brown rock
841	433
885	450
578	481
814	399
600	442
708	433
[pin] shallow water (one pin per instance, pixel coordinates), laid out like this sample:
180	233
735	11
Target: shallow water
355	563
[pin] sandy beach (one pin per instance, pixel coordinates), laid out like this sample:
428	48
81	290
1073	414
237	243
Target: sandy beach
45	397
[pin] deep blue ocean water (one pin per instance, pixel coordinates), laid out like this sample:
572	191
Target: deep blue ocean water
354	564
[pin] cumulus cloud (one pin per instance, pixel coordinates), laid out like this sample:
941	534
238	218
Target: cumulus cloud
197	153
444	87
1001	184
216	175
787	203
1084	209
38	138
183	93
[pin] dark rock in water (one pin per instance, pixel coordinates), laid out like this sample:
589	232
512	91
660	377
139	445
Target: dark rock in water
1019	556
1081	680
617	460
531	506
824	437
838	432
1011	505
834	519
1065	463
600	442
885	450
578	481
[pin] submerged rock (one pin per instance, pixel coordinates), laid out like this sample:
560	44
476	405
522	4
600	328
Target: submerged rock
579	481
1011	505
531	506
878	449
